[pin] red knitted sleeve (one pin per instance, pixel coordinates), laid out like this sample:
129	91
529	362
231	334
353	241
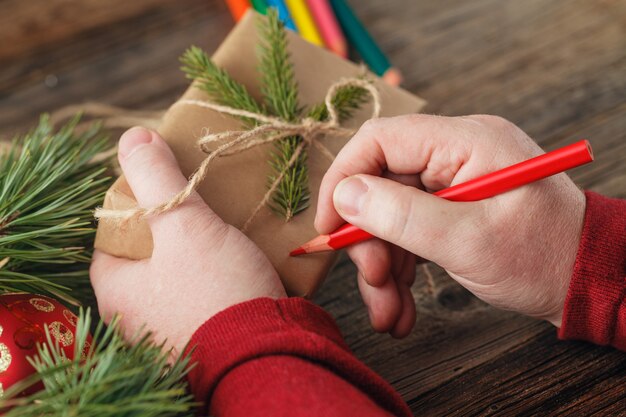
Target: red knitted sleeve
595	306
284	358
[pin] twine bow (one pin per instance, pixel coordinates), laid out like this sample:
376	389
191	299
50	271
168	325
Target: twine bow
269	130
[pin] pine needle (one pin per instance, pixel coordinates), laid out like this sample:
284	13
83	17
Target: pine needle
278	82
107	378
216	82
48	189
347	100
280	90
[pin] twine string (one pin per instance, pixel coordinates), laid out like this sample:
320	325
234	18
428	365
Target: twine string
268	130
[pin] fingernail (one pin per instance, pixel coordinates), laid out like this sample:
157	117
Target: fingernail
349	196
132	139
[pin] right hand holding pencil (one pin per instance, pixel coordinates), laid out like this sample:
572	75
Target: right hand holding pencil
515	251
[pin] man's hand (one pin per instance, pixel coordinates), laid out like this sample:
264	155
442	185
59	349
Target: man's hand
515	251
199	266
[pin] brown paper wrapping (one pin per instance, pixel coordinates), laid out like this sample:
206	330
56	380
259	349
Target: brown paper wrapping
236	184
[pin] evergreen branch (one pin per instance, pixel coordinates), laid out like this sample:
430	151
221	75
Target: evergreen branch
278	80
347	100
48	189
280	91
107	378
292	195
216	82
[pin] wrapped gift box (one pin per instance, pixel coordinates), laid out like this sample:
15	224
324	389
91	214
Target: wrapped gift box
236	183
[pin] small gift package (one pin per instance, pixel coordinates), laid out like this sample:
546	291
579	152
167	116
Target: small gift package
237	182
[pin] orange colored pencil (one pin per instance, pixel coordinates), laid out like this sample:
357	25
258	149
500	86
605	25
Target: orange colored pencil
238	8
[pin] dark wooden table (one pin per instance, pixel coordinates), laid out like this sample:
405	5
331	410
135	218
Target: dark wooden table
555	68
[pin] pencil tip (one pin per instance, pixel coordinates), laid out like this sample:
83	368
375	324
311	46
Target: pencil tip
318	244
393	77
340	48
297	251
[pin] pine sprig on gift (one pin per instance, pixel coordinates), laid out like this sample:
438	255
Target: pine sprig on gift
278	77
108	378
347	100
280	91
216	82
280	95
49	186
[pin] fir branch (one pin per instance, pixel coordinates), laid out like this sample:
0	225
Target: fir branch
347	100
278	81
48	189
216	82
292	195
280	91
109	378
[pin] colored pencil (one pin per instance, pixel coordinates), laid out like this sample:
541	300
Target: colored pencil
283	13
360	38
328	27
495	183
304	21
260	6
238	8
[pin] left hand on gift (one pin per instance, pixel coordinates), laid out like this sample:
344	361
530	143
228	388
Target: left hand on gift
199	266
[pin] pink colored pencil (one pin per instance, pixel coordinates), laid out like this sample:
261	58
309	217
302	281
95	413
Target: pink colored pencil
328	26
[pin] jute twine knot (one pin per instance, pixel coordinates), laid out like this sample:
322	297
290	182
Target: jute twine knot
268	130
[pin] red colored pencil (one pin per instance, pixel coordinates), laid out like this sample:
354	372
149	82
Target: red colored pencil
498	182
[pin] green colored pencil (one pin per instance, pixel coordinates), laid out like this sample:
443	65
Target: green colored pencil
360	38
260	6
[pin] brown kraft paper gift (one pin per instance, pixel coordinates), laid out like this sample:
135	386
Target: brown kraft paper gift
236	183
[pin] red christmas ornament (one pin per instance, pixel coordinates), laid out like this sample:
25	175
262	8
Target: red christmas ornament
23	320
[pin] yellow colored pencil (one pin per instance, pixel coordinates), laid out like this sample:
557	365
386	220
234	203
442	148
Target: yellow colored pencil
304	21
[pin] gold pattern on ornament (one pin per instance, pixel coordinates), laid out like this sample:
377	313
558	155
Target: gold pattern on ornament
70	317
41	304
61	333
5	355
5	360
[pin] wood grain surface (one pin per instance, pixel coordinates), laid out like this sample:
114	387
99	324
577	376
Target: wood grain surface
555	68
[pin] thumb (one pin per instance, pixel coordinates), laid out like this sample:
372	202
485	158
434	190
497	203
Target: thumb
421	223
153	173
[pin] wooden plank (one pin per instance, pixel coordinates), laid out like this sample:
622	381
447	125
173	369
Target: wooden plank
540	377
36	24
95	44
135	66
454	331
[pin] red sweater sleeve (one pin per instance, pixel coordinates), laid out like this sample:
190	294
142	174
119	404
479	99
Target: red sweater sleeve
283	358
595	306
